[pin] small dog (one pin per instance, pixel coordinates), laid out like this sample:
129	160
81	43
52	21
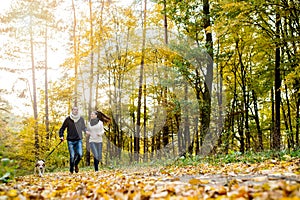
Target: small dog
40	167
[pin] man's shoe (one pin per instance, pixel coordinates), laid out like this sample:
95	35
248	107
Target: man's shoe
76	168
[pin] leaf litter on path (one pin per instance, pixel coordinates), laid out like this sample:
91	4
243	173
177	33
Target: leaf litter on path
226	181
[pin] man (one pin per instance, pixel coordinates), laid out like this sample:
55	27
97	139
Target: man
75	125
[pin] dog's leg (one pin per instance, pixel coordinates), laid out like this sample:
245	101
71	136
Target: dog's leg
40	172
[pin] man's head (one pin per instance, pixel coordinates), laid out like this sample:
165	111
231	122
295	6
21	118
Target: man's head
75	110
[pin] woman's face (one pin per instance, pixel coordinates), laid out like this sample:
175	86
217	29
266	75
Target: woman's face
93	115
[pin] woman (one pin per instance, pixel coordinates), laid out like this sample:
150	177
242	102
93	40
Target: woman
95	130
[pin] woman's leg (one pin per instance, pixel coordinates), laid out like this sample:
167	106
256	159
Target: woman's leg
96	164
94	150
100	152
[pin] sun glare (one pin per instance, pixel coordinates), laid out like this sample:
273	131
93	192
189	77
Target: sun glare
10	80
4	5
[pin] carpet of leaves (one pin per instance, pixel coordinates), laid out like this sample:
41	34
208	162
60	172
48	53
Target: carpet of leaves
267	180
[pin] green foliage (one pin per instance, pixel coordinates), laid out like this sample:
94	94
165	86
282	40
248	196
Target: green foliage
237	157
7	169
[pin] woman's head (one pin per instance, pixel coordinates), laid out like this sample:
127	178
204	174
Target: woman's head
93	114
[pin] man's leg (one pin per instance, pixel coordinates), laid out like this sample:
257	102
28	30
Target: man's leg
78	150
72	155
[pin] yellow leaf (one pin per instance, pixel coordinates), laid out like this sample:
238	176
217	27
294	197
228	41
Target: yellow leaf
195	181
221	190
12	193
260	179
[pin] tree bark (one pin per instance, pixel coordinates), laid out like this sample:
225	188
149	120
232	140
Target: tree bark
297	117
256	118
91	81
46	85
206	110
277	135
75	55
138	120
35	113
289	118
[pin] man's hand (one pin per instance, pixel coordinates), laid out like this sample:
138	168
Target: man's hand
62	139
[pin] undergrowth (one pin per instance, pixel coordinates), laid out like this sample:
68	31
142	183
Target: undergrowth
234	157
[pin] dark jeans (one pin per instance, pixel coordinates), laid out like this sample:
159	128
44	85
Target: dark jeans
75	150
96	149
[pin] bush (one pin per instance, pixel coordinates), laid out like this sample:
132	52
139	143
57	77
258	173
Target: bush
7	170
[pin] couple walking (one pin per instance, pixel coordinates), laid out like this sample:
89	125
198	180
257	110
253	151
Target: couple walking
75	125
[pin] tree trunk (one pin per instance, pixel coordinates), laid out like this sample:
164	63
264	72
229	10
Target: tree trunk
220	104
206	110
297	117
256	118
286	125
165	89
99	56
165	22
91	82
277	135
132	138
245	107
145	124
35	113
186	131
46	85
289	118
138	120
75	54
272	126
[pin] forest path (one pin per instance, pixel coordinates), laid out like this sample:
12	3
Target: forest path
268	180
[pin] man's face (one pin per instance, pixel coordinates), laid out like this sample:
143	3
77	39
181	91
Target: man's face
75	111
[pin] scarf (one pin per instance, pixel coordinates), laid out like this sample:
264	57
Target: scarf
93	122
75	118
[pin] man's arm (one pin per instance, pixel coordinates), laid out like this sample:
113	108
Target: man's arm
62	129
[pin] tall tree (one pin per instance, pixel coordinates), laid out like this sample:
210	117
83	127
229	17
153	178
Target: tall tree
91	76
194	19
138	117
75	53
35	112
46	81
277	134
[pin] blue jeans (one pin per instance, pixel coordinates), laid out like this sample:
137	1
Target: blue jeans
96	149
75	150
